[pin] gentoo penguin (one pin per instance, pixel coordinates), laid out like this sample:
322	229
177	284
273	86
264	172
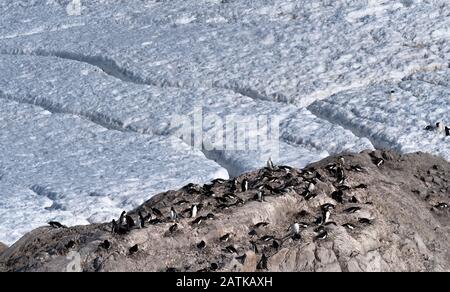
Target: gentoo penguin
270	164
361	186
294	229
352	210
134	249
55	224
201	245
327	206
244	185
349	226
225	237
141	220
262	264
233	188
241	258
173	214
105	244
447	131
210	216
122	218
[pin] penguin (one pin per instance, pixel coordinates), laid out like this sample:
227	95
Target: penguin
310	196
379	162
173	214
327	206
233	188
349	226
141	220
241	258
105	244
252	232
440	127
56	225
260	196
353	200
231	249
322	236
352	210
447	131
134	249
214	267
244	185
294	229
276	244
225	237
218	181
198	220
114	227
201	245
303	225
173	228
222	200
429	128
319	229
261	224
194	210
254	247
210	216
357	168
365	221
441	206
70	244
361	186
155	221
267	238
338	196
122	218
311	187
130	222
157	212
181	202
326	215
262	264
270	164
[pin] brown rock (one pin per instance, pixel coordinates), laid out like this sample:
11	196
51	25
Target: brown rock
395	227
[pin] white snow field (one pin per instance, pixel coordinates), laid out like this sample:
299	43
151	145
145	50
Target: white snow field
89	91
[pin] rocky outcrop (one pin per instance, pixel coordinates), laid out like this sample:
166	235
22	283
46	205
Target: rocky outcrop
387	212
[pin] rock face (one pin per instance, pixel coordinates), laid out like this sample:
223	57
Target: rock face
387	213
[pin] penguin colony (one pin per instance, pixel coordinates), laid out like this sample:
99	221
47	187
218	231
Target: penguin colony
194	206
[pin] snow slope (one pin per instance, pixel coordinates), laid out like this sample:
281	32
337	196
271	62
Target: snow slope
88	97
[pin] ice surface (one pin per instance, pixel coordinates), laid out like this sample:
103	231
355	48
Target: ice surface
88	96
81	172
